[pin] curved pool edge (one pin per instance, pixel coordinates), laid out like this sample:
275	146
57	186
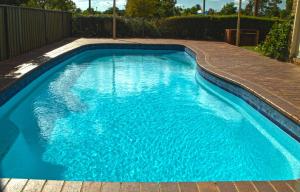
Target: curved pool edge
280	117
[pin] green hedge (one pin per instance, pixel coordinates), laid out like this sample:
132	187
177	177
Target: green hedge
101	26
276	44
211	27
187	27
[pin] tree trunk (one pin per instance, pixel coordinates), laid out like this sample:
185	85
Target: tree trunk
114	21
256	5
238	27
90	7
203	9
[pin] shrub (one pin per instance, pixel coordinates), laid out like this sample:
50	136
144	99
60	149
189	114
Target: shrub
101	26
184	27
276	44
211	27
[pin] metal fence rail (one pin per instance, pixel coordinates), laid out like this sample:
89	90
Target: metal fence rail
24	29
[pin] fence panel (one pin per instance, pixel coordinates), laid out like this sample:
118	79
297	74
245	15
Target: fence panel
32	29
54	21
3	49
13	29
67	21
24	29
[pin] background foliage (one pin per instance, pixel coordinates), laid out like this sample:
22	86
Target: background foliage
277	41
164	18
211	27
101	26
183	27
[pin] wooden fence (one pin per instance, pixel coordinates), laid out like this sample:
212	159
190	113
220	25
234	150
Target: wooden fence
24	29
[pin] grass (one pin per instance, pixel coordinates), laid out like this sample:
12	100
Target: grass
251	48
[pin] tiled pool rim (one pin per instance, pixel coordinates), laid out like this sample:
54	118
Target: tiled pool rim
284	121
30	185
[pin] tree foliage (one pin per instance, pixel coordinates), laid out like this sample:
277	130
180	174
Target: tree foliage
276	44
152	8
192	11
272	8
13	2
110	11
228	9
249	8
64	5
141	8
167	8
289	6
269	8
211	11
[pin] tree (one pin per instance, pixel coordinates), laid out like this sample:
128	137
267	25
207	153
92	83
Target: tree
272	8
256	7
78	11
211	11
64	5
141	8
167	8
13	2
36	4
262	6
119	12
193	10
267	8
289	6
90	12
228	9
249	8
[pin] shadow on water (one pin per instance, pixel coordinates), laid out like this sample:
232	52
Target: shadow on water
22	144
13	163
7	138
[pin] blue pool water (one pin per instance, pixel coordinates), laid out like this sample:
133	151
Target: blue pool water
138	115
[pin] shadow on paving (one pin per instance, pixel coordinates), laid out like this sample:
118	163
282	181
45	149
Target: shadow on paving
13	68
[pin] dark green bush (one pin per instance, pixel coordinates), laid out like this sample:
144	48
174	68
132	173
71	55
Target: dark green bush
101	26
187	27
276	44
211	27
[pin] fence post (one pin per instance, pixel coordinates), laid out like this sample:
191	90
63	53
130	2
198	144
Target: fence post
6	33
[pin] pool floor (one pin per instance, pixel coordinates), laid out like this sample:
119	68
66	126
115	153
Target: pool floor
140	115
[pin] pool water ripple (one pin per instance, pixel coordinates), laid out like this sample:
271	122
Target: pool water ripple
140	115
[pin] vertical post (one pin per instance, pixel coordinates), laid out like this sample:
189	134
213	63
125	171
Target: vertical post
295	40
90	7
114	20
203	10
256	5
238	27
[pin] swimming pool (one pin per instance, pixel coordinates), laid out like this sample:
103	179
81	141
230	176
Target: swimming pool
138	115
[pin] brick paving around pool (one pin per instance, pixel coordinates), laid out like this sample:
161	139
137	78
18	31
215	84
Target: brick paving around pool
29	185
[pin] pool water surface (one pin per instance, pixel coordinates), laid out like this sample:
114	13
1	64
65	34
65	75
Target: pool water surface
138	115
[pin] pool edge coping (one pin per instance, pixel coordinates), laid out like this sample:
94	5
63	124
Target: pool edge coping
22	185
